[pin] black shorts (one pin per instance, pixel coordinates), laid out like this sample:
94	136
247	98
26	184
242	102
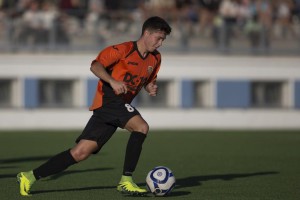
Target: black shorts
105	121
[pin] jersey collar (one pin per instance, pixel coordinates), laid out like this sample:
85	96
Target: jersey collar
136	48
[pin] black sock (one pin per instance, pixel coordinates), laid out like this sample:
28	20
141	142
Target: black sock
54	165
133	151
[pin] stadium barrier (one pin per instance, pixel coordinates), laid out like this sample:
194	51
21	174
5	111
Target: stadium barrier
208	92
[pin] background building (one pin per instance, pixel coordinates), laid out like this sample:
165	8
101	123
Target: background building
227	64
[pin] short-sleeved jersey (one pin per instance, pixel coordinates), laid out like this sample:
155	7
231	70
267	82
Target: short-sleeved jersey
125	63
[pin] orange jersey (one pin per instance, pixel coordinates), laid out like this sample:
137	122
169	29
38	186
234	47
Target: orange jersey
125	63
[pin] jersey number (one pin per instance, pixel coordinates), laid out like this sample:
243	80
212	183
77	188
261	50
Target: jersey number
129	107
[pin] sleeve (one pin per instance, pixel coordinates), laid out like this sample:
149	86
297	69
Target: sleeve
109	56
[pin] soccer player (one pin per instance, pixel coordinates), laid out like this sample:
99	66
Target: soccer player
123	70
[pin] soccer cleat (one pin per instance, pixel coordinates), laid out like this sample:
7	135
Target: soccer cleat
129	187
25	184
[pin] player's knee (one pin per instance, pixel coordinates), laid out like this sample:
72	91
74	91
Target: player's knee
80	154
143	128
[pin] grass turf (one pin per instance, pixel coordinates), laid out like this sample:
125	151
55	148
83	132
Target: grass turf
208	165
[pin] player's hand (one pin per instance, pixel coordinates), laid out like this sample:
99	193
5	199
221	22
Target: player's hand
119	87
151	88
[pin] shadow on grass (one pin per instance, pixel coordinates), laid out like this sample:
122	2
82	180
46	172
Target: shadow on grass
73	189
196	180
193	181
24	159
8	176
176	193
56	176
181	183
60	174
7	167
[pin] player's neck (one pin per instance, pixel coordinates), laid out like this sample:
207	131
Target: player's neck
142	48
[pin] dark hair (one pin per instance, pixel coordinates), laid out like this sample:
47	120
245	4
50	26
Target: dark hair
156	23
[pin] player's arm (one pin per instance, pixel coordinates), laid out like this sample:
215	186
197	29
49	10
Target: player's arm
151	88
98	69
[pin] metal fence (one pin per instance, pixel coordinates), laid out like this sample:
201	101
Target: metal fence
69	34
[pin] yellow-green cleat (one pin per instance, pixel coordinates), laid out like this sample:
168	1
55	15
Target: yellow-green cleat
127	186
25	183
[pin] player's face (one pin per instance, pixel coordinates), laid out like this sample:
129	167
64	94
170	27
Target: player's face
154	40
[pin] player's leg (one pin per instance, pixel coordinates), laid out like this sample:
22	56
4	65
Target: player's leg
56	164
84	147
62	161
119	114
139	129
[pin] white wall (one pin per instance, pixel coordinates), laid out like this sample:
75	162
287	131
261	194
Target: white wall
174	68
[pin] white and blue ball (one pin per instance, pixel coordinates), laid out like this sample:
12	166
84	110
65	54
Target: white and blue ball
160	181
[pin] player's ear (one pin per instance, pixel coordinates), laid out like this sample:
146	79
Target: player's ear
147	33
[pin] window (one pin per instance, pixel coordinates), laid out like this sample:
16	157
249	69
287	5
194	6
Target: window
202	91
267	94
56	93
6	93
144	100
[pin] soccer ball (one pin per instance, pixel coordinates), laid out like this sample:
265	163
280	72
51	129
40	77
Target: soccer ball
160	181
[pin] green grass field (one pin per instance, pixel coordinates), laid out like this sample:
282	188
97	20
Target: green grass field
208	165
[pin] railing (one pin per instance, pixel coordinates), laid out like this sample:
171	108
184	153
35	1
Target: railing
68	34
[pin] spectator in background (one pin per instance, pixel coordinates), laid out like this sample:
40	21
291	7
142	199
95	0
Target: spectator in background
296	9
163	8
32	30
186	21
96	10
253	30
283	13
14	8
207	12
113	5
74	8
228	11
10	23
263	10
113	8
95	22
60	25
187	13
244	13
48	15
2	17
42	25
